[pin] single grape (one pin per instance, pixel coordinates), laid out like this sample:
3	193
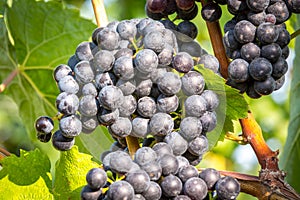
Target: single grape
140	127
61	142
272	52
67	103
227	188
280	67
190	128
256	18
144	156
244	31
260	69
143	88
153	191
127	87
198	146
167	104
187	172
155	41
252	93
96	178
120	162
146	60
120	190
211	98
89	89
208	121
177	143
107	117
211	12
120	128
171	186
105	79
127	29
103	61
169	84
265	87
161	124
162	148
84	51
250	51
156	6
236	6
70	126
188	28
83	72
146	106
169	164
185	4
111	97
188	14
88	106
230	42
68	84
284	37
195	188
73	60
89	124
183	62
61	71
138	179
285	52
153	169
280	11
192	83
182	162
87	193
44	124
267	33
210	176
108	39
128	106
258	5
210	62
123	68
238	70
195	106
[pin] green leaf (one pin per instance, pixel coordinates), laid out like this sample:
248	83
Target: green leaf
26	177
43	35
289	160
233	105
70	172
96	143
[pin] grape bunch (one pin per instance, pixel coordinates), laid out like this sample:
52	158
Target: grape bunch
256	39
132	79
154	173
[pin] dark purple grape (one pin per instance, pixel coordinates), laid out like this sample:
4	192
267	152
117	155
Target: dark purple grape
250	51
252	93
195	188
238	70
153	192
244	31
260	69
157	6
183	62
108	39
264	87
61	142
96	178
285	52
44	124
242	87
227	188
210	176
188	14
211	12
229	25
267	33
120	190
280	11
185	4
258	5
280	67
256	18
198	146
279	83
236	6
187	172
284	37
61	71
229	40
42	137
171	186
138	179
272	52
88	193
188	28
169	164
208	121
152	15
293	5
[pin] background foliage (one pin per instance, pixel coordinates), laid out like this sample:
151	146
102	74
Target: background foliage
36	36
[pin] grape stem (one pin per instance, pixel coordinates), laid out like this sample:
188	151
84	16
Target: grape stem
8	80
270	174
295	34
3	153
100	13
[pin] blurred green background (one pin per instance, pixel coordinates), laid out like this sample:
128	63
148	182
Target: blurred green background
271	112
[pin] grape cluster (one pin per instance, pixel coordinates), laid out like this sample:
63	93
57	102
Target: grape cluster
256	39
185	10
154	173
132	79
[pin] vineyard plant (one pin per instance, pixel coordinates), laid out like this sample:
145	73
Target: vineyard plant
149	99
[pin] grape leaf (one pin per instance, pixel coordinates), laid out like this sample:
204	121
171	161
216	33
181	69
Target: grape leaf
26	177
289	160
96	143
233	105
42	35
70	172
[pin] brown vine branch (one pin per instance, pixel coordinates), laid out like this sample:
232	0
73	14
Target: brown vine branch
8	80
3	153
100	13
